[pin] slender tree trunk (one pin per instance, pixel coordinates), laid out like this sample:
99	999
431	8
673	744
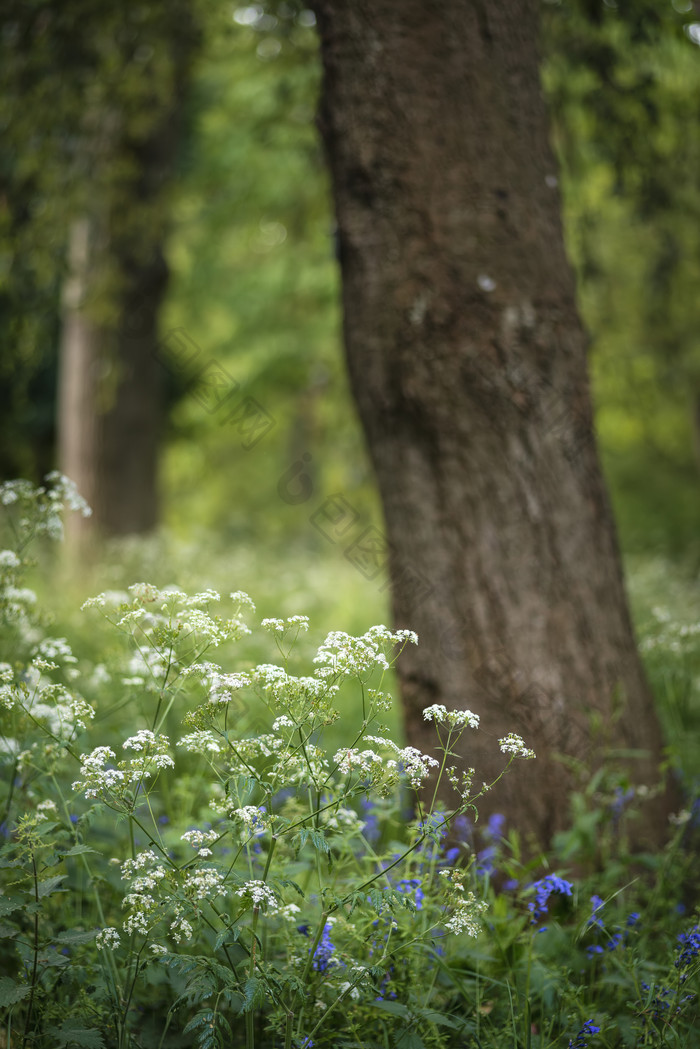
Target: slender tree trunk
110	397
467	360
110	381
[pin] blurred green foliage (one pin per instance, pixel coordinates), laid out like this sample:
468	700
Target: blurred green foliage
623	81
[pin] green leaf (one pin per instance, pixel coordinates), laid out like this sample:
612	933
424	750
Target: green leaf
409	1040
8	904
396	1008
49	885
11	991
69	1033
76	936
79	850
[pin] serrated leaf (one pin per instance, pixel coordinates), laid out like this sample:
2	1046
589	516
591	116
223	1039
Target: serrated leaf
11	991
8	904
410	1040
79	850
395	1008
318	840
71	1033
75	937
49	885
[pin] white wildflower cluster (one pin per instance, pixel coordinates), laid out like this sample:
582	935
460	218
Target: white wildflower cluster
280	626
408	762
342	819
55	650
252	817
414	765
465	915
107	939
201	840
282	722
180	928
223	687
464	907
258	893
202	742
454	718
287	911
206	883
145	873
364	763
9	560
140	862
46	809
275	626
108	599
515	745
101	779
340	654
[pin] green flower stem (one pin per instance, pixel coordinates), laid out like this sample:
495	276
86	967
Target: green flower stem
35	951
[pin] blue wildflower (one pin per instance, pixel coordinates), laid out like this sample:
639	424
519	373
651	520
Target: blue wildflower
406	885
596	904
323	955
688	947
593	948
544	888
632	919
588	1029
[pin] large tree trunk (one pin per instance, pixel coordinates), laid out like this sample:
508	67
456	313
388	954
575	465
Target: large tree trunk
468	363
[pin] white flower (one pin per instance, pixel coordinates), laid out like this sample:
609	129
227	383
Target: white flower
181	928
282	722
416	766
363	762
302	622
515	745
436	713
242	598
202	742
251	816
205	883
273	625
198	838
465	915
107	939
9	559
258	892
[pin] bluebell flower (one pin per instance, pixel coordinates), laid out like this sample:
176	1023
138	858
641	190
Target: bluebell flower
544	888
406	885
594	920
632	919
594	948
688	947
588	1029
323	955
614	941
73	818
371	829
495	825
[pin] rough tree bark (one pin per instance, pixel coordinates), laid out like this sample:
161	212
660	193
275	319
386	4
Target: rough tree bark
467	360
